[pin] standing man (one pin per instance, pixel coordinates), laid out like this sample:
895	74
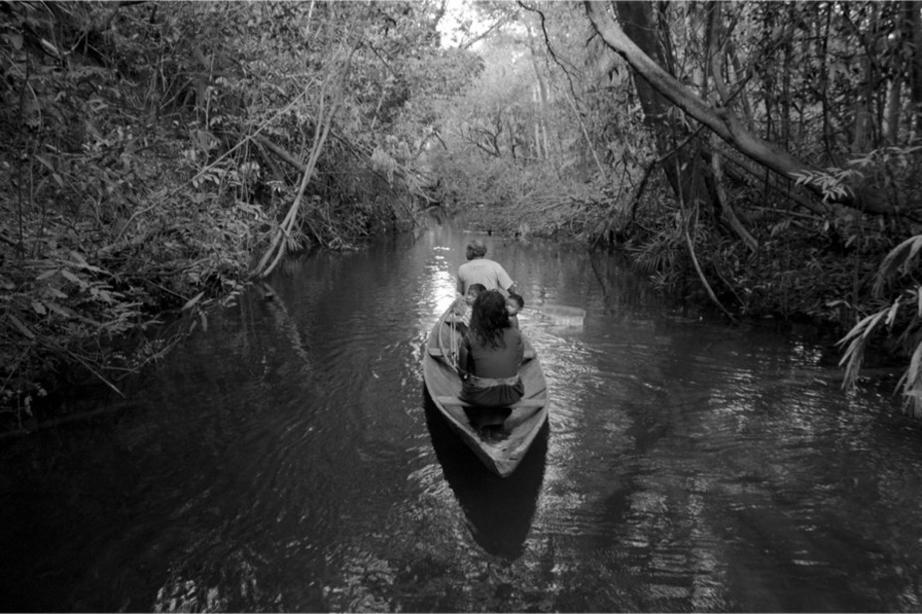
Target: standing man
481	270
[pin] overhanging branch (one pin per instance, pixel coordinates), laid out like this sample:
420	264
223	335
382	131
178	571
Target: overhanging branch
720	120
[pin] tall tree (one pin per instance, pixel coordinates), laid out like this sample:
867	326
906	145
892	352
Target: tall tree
678	154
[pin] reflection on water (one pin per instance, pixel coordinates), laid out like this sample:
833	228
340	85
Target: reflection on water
285	459
499	510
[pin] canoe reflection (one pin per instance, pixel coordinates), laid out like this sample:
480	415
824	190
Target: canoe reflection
499	510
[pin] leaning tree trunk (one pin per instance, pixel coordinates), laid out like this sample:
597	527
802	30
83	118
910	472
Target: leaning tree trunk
724	123
278	246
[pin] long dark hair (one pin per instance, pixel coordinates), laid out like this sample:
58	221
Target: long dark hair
489	317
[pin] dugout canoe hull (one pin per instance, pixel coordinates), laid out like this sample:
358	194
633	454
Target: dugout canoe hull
500	437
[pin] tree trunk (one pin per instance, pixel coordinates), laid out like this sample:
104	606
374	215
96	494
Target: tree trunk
824	84
896	72
677	162
912	9
541	97
786	92
893	110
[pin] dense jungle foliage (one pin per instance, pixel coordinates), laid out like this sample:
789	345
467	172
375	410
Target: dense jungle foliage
759	156
156	156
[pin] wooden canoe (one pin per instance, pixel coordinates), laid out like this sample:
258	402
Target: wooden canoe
499	437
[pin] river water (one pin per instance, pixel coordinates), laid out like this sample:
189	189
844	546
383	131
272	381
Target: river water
285	459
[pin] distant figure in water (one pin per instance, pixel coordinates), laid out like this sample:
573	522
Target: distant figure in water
514	304
481	270
491	354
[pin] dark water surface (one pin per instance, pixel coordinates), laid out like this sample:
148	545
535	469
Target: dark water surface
285	459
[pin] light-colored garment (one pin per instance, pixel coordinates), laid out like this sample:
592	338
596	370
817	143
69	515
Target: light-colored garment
484	271
475	381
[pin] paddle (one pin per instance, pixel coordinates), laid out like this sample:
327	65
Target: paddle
562	314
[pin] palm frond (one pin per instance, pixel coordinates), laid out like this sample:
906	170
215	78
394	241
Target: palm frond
899	257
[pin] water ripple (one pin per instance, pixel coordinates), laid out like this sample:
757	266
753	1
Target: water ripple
285	459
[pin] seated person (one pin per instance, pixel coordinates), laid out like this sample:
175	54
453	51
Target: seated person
514	304
491	354
482	270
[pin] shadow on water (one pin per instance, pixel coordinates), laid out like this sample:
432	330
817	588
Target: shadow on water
499	510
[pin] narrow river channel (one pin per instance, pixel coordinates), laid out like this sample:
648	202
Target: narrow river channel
285	459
